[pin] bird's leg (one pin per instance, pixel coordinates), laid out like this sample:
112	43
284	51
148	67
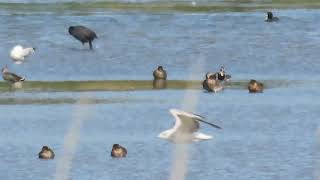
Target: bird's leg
90	44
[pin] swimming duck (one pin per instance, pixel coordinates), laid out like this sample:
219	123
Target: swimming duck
255	86
19	53
222	76
270	17
10	77
46	153
211	84
118	151
83	34
160	73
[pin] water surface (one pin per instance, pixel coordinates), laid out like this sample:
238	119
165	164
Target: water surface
273	135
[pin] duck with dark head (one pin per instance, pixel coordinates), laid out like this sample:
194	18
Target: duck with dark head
160	73
159	78
211	84
222	76
118	151
255	86
46	153
83	34
270	17
10	77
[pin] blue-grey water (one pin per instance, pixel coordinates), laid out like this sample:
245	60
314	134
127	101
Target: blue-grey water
273	135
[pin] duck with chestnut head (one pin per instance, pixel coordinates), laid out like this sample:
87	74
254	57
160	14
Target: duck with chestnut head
255	86
211	84
46	153
118	151
159	73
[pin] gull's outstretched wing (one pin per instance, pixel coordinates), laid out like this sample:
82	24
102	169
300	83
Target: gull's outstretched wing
211	124
188	122
202	119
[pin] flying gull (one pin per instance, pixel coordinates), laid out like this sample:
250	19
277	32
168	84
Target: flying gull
185	128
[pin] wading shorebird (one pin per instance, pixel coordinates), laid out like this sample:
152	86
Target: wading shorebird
83	34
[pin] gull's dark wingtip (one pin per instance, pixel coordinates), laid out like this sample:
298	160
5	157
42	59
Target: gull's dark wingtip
211	124
216	126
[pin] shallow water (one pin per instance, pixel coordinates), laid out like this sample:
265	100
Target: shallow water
263	136
273	135
132	44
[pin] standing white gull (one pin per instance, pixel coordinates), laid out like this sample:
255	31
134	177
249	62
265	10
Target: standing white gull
185	128
18	53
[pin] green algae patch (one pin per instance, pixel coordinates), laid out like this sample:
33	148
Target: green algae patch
129	85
